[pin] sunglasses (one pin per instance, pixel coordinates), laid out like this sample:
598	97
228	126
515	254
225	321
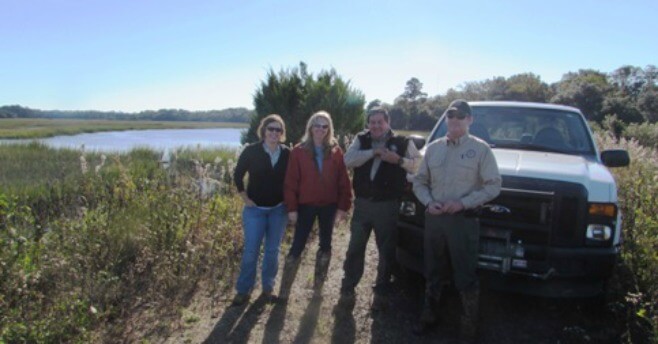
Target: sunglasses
323	126
458	115
275	129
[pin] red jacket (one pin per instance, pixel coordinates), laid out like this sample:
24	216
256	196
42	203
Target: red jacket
305	185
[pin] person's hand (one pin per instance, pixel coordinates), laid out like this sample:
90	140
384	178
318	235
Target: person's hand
390	157
380	151
435	208
451	207
292	218
341	215
247	201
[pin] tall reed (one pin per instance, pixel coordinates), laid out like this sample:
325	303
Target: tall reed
637	279
83	247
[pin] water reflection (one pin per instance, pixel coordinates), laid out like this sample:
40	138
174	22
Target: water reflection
158	139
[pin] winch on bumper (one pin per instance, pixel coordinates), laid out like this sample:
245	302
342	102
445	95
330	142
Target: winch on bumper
538	237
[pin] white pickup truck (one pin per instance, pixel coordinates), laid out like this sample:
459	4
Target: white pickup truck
555	229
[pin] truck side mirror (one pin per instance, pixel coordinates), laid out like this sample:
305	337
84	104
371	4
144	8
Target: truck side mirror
615	158
419	141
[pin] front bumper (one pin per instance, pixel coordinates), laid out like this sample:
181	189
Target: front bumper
530	269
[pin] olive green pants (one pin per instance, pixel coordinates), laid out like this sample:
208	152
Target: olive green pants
382	216
451	251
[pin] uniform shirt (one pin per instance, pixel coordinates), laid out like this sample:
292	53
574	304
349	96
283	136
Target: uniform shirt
464	170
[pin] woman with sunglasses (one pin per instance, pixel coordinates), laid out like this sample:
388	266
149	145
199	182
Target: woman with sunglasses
316	187
264	215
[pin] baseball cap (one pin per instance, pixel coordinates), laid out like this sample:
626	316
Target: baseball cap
459	105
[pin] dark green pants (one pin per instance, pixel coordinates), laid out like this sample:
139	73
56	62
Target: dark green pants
381	216
450	251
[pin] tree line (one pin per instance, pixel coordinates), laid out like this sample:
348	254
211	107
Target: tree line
624	98
235	115
629	93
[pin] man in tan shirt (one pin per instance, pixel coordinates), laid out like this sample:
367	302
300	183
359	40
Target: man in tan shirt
457	175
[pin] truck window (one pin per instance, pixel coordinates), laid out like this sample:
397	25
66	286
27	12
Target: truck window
528	129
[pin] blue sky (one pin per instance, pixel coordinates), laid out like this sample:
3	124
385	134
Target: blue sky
133	55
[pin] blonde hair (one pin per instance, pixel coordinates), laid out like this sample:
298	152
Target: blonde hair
329	140
267	120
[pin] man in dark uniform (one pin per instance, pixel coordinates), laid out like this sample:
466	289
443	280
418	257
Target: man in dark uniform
457	174
380	160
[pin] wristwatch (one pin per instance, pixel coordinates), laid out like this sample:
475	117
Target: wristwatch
400	161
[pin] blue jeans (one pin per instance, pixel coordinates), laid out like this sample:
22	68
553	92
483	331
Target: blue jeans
306	215
259	223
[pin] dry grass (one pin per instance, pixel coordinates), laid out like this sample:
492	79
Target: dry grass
91	249
28	128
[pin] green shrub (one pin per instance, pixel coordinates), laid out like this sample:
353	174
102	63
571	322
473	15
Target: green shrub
646	134
638	195
82	251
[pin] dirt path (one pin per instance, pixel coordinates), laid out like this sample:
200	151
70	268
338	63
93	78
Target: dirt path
310	318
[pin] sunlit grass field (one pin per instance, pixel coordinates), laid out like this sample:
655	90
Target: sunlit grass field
27	128
86	239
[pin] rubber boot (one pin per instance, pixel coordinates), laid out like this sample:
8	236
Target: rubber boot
428	316
470	312
290	268
322	260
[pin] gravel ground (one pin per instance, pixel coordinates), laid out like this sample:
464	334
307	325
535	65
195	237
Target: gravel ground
311	317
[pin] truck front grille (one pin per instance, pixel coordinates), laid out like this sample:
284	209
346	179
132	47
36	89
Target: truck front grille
541	214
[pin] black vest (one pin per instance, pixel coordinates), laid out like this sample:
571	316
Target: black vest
390	178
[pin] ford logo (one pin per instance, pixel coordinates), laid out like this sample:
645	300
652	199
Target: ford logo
498	209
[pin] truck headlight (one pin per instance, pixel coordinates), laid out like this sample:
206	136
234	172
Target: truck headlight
599	232
408	208
601	224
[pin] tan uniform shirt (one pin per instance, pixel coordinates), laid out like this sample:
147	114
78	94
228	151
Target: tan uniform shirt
464	170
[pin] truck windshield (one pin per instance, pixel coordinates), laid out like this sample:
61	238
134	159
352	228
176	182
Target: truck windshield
534	129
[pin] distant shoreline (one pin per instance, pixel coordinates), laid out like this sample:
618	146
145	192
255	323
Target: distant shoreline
36	128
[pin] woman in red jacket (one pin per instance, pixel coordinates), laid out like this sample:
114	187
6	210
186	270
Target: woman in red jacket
316	187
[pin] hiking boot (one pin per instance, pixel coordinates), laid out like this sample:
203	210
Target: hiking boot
268	296
469	318
428	317
426	321
240	299
322	260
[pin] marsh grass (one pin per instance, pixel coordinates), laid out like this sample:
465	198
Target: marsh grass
636	283
645	133
29	128
80	251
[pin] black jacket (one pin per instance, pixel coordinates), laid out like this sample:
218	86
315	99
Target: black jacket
265	183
